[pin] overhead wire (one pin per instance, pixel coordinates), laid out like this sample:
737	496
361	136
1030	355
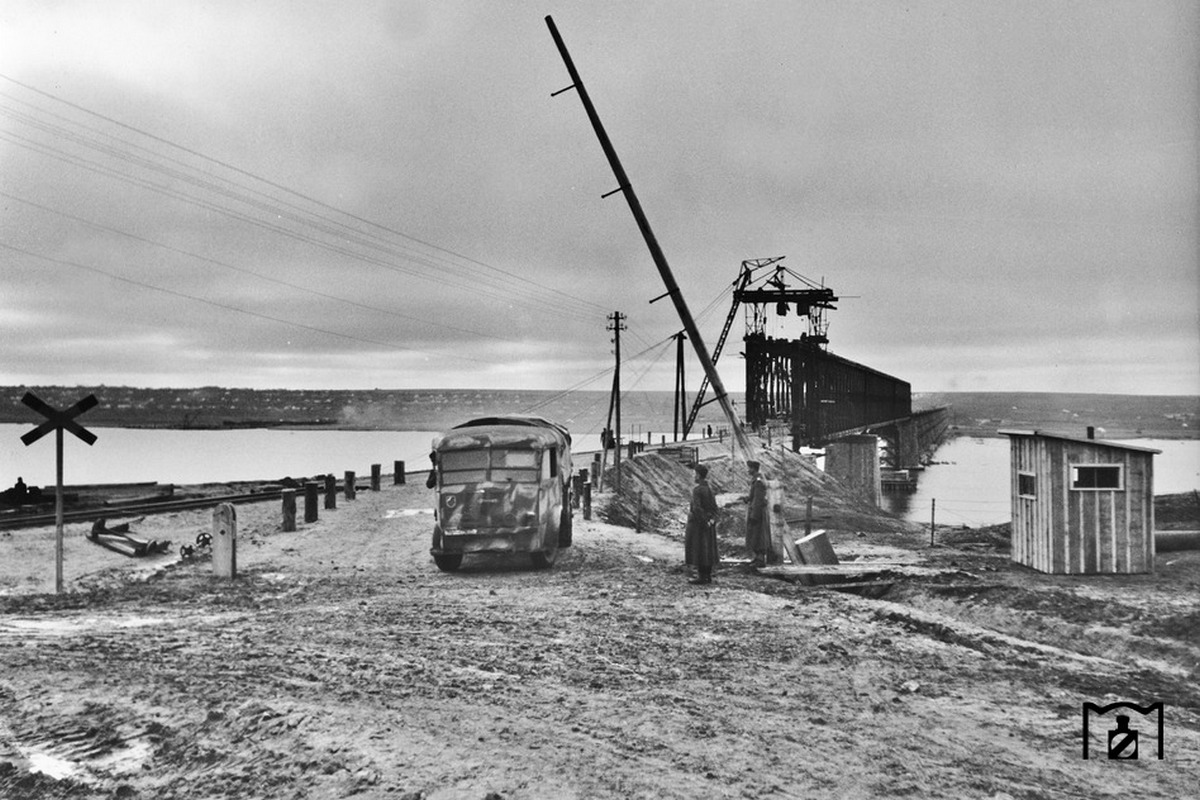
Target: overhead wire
259	315
136	157
460	280
293	192
501	281
268	278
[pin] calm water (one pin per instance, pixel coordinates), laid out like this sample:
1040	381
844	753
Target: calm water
971	484
129	455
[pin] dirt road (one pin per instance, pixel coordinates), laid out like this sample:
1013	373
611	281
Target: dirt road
342	663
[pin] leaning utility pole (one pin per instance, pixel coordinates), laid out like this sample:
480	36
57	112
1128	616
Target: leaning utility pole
660	260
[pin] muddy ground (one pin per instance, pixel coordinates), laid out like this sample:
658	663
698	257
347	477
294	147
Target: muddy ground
342	663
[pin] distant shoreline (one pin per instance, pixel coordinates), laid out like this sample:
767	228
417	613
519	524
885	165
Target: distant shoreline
216	408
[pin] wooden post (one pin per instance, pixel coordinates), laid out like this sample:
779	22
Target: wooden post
351	490
597	472
780	540
932	512
330	491
224	539
808	518
310	501
58	510
398	476
289	510
587	500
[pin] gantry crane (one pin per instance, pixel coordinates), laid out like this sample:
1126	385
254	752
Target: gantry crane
810	302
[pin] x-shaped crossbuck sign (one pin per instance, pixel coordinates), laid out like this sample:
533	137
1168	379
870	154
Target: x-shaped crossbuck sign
55	419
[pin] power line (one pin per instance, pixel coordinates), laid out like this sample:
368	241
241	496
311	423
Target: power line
247	312
324	224
283	188
463	281
267	278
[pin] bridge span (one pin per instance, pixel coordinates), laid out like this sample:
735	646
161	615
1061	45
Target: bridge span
910	440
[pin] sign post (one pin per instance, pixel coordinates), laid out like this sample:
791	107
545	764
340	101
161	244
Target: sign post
58	421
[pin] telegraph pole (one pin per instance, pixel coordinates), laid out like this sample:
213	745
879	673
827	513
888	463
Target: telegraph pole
660	260
616	324
680	398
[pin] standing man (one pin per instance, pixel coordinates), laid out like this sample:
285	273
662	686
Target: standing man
758	532
700	540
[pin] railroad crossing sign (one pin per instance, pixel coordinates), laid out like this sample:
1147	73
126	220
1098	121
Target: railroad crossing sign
58	421
55	419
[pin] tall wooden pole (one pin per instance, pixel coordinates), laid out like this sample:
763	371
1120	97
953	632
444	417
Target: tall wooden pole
656	253
58	510
617	318
680	399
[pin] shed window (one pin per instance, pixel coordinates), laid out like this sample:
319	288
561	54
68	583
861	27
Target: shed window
1097	476
1026	484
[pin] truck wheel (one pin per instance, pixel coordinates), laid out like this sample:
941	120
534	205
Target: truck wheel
564	527
544	559
448	562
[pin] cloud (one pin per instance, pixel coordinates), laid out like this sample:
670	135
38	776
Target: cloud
329	185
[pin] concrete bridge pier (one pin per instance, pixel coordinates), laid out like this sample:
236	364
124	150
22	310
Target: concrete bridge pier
854	460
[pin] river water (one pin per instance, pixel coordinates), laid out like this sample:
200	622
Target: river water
969	482
134	455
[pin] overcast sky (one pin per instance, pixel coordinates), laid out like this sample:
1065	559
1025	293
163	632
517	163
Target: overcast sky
385	194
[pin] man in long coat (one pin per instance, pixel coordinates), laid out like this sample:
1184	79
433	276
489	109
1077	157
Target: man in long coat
700	540
758	530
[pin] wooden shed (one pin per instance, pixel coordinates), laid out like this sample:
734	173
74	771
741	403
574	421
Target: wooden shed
1081	506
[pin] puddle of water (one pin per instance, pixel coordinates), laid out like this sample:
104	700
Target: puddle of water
128	759
64	627
49	764
393	513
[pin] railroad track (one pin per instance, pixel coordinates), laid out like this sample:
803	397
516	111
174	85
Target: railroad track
12	521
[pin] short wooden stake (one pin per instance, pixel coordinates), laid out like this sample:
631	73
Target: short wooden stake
289	510
350	488
330	491
577	488
224	541
587	500
310	501
376	474
932	515
398	475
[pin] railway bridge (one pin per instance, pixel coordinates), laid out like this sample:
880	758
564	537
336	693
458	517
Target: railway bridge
798	384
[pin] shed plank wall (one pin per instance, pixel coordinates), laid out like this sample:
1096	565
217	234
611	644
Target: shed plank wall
1081	531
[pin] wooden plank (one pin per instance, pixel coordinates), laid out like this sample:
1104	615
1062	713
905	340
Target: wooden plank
852	568
781	540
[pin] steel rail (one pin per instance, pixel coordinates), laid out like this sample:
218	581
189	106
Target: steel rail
14	521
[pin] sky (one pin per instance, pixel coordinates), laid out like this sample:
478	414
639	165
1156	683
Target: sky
310	195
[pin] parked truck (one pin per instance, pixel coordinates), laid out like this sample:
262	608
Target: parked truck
503	485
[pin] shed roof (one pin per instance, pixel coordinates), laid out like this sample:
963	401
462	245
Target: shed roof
1081	440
